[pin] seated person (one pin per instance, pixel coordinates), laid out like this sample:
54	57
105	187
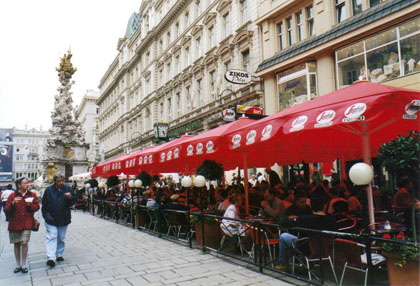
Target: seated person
232	227
272	207
318	220
298	208
224	200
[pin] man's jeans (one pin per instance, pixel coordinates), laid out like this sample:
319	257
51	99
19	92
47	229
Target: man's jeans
287	241
55	240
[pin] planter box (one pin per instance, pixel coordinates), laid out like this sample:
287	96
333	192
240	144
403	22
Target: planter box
407	275
212	234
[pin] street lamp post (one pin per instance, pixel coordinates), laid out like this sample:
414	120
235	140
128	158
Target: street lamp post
236	100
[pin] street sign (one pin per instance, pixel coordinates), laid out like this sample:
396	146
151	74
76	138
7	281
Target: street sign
249	110
238	76
228	115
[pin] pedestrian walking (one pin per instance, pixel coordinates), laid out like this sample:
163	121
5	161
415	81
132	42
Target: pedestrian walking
56	203
4	195
20	207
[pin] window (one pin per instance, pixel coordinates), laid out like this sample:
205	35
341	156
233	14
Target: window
228	65
226	24
160	79
198	45
310	20
199	96
178	105
177	30
177	69
297	85
375	2
211	36
212	81
340	7
381	57
290	37
168	71
187	55
244	11
299	26
197	9
187	19
245	60
280	32
169	109
189	103
168	39
357	6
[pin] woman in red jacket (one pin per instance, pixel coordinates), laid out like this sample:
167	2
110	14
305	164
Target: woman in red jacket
21	206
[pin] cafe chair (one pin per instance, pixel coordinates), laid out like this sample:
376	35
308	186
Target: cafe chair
315	251
263	241
346	225
229	236
354	257
123	214
153	219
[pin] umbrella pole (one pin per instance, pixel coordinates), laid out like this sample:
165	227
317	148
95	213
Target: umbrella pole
367	160
245	157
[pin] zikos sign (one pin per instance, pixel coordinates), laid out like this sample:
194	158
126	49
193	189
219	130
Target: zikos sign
238	76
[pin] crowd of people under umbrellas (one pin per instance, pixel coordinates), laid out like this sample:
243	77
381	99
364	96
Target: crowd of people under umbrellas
322	205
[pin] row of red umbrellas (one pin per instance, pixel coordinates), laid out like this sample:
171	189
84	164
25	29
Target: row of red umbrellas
349	124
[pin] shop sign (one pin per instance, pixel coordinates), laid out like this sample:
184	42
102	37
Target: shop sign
249	110
238	76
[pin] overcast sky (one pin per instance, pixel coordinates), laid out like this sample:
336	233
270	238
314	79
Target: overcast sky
34	34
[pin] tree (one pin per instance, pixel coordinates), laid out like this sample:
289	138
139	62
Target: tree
145	178
211	170
113	181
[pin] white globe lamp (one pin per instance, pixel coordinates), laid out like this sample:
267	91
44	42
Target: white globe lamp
138	183
361	174
87	186
131	183
101	184
186	182
199	181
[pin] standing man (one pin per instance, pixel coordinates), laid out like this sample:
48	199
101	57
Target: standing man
56	203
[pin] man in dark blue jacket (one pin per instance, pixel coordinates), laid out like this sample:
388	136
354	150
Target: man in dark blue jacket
56	203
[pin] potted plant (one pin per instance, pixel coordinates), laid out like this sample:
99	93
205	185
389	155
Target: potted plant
401	157
402	260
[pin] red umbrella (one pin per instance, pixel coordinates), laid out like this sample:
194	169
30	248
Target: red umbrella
350	123
108	168
188	154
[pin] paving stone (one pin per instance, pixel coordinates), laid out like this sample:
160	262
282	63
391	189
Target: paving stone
100	252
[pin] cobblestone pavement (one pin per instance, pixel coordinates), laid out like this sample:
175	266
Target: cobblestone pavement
100	252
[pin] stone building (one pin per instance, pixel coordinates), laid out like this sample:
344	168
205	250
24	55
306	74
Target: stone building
28	152
311	48
170	69
87	114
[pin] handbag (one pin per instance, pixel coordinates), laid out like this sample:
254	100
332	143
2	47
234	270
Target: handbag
35	226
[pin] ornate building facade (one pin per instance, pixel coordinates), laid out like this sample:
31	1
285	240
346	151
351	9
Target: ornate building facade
311	48
87	114
170	69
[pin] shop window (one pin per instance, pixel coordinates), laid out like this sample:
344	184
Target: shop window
381	57
297	85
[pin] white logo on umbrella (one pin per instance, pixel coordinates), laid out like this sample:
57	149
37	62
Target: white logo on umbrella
169	155
145	159
140	160
210	147
250	137
266	133
176	153
236	140
162	157
325	118
412	108
299	123
355	112
150	159
190	150
199	148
